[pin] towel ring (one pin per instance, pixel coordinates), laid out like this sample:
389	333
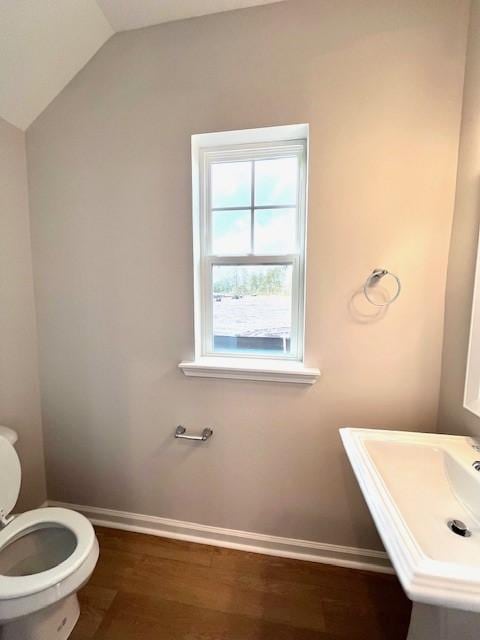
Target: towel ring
373	279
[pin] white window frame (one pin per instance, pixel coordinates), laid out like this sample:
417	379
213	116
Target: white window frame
471	398
252	144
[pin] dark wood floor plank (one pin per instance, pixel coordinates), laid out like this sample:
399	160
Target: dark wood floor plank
297	571
147	587
151	618
94	603
114	568
224	592
114	540
355	623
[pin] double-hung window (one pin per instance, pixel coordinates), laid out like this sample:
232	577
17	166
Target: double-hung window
249	200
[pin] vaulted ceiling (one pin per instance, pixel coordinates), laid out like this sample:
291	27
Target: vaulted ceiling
133	14
44	43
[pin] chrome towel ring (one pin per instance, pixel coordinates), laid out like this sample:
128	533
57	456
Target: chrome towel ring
373	279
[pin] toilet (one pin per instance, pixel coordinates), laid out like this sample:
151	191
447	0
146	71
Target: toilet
46	556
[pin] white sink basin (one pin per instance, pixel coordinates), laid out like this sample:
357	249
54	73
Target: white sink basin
414	484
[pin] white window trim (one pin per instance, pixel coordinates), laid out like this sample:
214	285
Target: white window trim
471	400
242	366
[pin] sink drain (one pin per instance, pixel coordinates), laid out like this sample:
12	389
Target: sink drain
459	527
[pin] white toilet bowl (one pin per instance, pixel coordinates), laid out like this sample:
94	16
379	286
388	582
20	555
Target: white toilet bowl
46	555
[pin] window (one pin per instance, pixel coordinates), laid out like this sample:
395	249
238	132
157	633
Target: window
249	197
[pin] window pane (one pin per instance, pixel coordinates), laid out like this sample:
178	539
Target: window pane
274	231
252	309
231	184
230	232
276	182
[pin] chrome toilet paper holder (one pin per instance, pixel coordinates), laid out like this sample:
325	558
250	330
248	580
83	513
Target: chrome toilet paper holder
181	432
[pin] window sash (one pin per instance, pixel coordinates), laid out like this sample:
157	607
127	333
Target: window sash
296	337
249	152
252	153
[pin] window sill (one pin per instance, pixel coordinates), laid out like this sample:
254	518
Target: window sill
250	369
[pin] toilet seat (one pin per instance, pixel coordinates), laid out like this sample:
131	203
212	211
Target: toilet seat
18	586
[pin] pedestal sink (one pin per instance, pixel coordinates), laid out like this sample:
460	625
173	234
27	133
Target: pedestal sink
423	491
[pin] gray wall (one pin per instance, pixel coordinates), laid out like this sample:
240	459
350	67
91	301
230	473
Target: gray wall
453	418
19	387
380	83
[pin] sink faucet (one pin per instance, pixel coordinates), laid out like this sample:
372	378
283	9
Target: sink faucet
475	443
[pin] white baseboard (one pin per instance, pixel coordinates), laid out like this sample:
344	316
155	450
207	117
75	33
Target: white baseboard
351	557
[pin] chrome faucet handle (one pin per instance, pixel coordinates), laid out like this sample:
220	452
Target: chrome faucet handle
475	442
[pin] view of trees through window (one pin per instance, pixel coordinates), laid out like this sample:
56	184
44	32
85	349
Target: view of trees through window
252	308
252	280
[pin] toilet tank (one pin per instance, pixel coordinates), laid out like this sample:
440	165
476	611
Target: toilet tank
8	434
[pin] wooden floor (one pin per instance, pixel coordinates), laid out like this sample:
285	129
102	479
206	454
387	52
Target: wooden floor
149	588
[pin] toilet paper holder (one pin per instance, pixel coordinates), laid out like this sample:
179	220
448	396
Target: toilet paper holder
181	432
